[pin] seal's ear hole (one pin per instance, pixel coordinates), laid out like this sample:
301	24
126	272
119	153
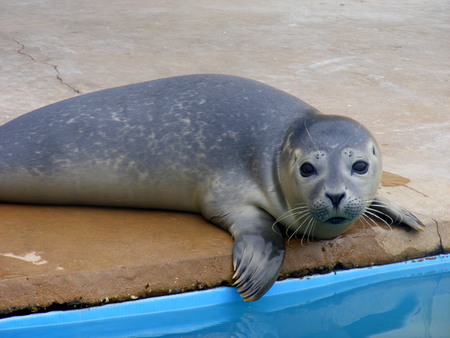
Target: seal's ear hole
373	151
307	169
360	167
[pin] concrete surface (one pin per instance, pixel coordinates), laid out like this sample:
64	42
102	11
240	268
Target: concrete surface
383	63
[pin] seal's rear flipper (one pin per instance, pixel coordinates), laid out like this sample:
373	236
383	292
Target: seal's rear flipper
395	214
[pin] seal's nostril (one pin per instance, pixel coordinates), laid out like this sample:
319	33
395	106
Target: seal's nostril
335	198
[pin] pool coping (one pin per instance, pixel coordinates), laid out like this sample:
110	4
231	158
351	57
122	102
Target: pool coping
338	280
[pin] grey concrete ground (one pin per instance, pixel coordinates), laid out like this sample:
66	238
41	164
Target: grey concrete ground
383	63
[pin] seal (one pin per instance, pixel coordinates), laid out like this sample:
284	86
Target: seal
250	158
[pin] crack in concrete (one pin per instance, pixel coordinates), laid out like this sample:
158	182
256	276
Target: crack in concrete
440	237
58	74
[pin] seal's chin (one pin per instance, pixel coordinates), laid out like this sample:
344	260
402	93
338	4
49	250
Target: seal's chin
337	220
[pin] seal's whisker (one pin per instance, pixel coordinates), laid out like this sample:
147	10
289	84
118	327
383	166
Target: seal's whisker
363	218
298	227
290	212
308	230
313	226
294	233
366	219
374	212
371	214
290	236
373	217
297	217
300	216
374	222
301	205
296	220
310	136
280	218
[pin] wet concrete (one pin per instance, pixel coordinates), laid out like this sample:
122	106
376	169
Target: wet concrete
384	64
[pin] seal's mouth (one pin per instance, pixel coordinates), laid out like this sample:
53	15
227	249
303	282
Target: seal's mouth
337	220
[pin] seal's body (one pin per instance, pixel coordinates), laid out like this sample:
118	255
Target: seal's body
247	156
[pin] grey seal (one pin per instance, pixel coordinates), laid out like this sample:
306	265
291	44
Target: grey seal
250	158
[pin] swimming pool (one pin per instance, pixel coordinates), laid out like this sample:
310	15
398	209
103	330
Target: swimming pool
407	299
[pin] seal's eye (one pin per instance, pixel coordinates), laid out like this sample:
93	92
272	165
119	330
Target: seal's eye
360	167
307	169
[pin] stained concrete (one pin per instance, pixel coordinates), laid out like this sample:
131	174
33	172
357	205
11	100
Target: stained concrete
384	63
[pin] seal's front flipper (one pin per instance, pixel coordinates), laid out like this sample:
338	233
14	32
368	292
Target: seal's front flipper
258	253
394	213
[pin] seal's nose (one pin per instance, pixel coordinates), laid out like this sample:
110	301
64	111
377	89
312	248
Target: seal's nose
335	198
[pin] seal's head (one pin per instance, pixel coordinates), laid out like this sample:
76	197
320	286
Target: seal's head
330	169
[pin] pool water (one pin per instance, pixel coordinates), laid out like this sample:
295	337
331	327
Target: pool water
408	299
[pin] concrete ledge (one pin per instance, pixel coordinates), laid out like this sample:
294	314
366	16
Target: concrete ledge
76	255
67	257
